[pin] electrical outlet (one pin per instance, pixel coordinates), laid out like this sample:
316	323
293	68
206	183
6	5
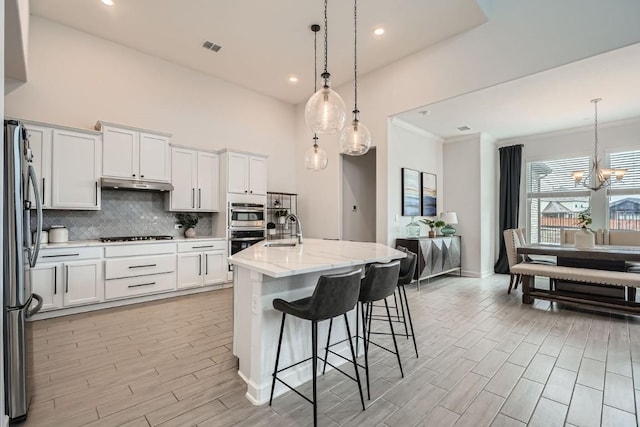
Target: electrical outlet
177	226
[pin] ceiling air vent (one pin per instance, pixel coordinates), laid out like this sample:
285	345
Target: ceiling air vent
464	128
211	46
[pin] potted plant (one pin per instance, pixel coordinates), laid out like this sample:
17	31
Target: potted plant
433	224
188	221
585	237
281	214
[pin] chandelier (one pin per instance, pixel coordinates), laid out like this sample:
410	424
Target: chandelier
598	177
315	158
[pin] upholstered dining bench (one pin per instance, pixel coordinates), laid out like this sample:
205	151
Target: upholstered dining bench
585	275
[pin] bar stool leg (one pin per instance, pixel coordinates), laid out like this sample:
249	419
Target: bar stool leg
393	335
275	370
355	364
326	351
395	302
413	334
314	364
404	317
366	335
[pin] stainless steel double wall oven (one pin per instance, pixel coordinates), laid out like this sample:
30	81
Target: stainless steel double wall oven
246	225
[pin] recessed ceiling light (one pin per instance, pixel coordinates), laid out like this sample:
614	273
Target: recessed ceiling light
293	79
378	31
107	2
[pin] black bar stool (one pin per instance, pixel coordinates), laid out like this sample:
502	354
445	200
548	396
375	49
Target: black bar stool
407	270
334	295
379	283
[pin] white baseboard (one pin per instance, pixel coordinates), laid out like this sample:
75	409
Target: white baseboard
4	421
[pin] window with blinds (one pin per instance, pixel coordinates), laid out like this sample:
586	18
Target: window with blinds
553	198
624	195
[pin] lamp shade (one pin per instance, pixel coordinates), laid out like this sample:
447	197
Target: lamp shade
449	217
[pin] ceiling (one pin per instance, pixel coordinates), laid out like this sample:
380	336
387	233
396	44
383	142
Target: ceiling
264	42
544	102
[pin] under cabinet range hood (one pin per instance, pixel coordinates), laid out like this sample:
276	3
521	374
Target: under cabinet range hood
130	184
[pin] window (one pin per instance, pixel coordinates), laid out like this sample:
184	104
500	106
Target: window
624	195
553	199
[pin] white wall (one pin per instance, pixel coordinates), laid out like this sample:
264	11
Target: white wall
76	79
614	136
463	189
409	147
358	175
488	203
521	38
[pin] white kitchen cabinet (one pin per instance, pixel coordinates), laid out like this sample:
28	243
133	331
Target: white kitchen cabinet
45	281
131	153
194	175
83	283
40	143
201	263
246	173
75	169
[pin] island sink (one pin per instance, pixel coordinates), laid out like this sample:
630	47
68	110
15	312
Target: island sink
280	244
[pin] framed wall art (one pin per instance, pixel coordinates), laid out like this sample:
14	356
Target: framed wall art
410	192
429	194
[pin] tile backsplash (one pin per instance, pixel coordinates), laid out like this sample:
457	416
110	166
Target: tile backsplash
123	213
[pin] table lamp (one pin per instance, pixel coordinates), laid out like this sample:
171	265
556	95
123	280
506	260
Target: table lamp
449	218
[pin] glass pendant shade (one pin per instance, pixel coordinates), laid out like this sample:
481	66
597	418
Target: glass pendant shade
325	112
355	139
315	158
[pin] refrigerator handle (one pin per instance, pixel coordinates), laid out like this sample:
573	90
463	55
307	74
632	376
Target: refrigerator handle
33	254
31	312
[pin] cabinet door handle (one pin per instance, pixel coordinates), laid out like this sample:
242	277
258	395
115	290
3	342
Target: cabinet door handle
55	279
200	265
142	266
134	175
60	255
200	247
141	284
97	193
206	264
251	191
66	277
193	197
43	190
199	198
141	176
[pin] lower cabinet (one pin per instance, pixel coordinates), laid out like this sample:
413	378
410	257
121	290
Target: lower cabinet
67	284
68	277
201	264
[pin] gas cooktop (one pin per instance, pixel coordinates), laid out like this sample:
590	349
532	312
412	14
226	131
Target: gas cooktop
134	238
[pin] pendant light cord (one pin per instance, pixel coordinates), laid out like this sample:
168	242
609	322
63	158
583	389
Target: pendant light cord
315	28
355	56
325	74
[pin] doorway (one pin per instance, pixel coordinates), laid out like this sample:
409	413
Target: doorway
359	197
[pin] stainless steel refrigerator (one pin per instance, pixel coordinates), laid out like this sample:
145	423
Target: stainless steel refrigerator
19	255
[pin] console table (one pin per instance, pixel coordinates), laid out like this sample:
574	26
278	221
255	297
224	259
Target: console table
436	255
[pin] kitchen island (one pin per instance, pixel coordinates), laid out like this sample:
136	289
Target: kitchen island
263	273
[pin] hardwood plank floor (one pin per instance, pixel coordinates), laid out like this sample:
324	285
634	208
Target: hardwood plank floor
485	359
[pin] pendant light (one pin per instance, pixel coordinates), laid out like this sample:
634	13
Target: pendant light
325	112
315	158
355	139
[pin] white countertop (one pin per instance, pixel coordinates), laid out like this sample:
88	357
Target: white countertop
88	243
312	256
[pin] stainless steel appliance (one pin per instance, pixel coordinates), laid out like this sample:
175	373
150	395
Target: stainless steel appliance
134	238
133	184
19	255
246	226
242	215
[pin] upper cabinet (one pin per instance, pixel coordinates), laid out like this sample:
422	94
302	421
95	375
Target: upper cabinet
194	176
246	173
67	164
132	153
75	170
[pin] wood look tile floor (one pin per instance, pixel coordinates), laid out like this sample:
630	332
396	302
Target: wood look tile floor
485	360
